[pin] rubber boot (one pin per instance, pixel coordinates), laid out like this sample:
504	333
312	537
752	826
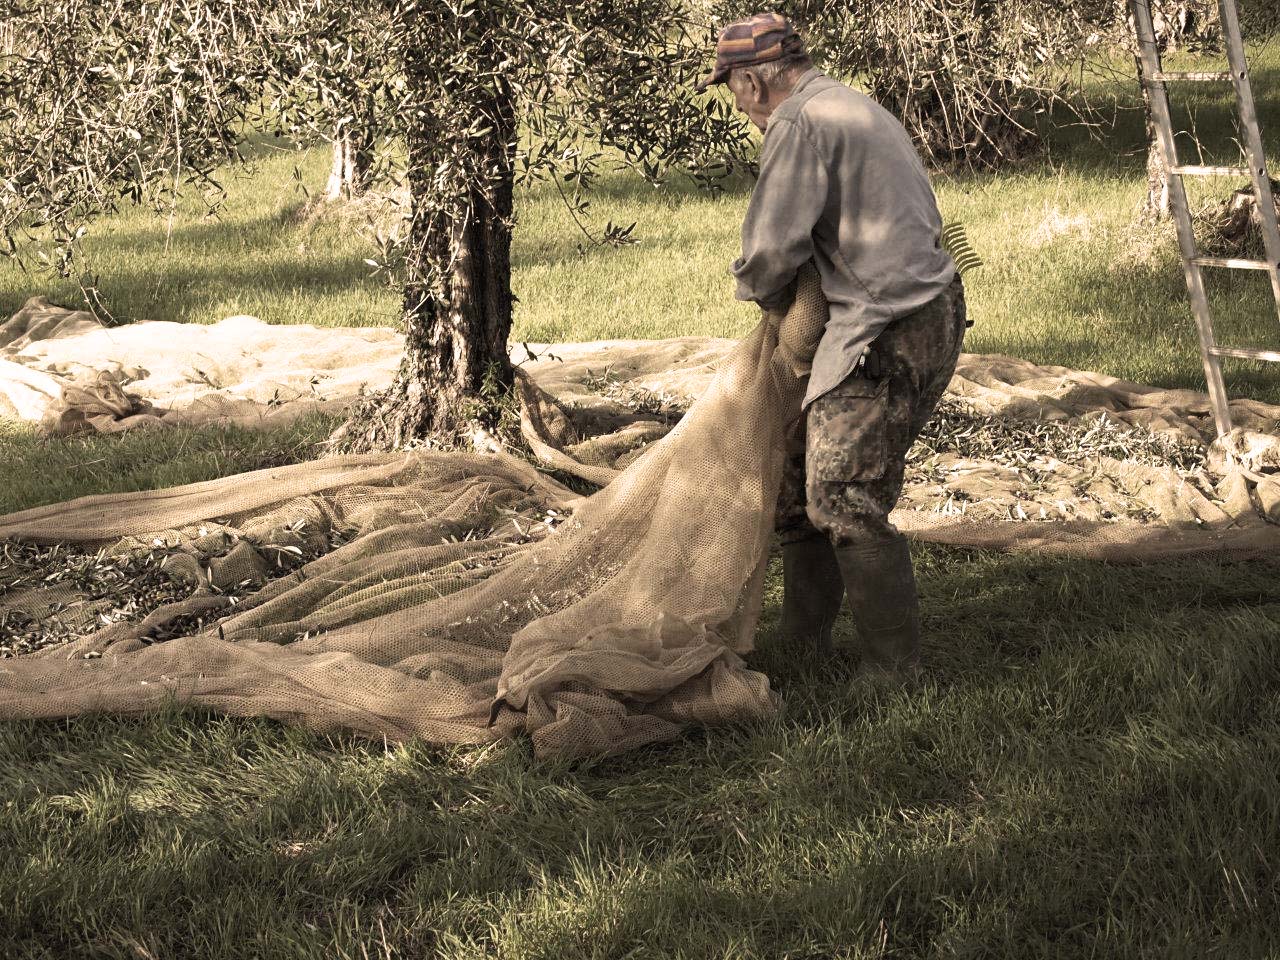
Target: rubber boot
881	587
812	590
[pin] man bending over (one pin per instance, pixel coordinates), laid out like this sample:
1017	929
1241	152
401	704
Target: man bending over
842	185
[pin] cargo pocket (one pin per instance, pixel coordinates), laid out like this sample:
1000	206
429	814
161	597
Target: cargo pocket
847	430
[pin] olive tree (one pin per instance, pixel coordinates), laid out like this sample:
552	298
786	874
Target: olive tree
331	79
104	103
1192	26
517	90
1179	25
111	101
967	78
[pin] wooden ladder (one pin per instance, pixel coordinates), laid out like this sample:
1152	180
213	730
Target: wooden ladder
1155	78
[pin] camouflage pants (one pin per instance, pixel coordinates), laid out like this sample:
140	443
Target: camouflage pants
845	469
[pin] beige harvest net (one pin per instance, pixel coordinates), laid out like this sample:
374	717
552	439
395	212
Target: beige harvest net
474	597
614	629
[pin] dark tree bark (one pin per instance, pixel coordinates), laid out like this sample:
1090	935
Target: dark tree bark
455	361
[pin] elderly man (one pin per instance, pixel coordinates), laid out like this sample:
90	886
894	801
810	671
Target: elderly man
842	185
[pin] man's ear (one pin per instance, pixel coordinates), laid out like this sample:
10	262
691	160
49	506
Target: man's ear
757	92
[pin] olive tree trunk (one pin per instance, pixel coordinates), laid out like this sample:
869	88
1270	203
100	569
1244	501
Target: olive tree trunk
1177	23
455	362
1155	208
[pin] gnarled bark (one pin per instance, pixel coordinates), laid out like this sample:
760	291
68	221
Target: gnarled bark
455	362
1155	208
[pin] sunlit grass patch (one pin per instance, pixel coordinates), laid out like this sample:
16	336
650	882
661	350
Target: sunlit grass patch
39	469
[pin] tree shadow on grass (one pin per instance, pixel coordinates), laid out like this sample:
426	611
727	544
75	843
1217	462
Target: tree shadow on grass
990	614
1062	776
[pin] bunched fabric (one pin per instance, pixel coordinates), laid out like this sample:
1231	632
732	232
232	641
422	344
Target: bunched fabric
464	609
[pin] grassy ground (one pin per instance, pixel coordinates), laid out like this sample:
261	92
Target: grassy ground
1091	769
39	470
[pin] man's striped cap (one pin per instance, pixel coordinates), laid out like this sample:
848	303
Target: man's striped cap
758	39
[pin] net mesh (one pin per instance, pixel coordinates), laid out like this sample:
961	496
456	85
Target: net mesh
464	608
474	598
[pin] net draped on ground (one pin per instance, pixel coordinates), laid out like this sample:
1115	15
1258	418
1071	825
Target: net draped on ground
456	613
474	598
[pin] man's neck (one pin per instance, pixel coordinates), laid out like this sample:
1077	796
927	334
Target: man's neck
788	82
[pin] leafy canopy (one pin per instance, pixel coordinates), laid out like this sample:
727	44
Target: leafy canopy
111	101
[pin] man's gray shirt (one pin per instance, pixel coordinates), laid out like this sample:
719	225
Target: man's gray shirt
841	182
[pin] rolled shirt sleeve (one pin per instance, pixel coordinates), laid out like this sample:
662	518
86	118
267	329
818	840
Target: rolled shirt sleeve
777	234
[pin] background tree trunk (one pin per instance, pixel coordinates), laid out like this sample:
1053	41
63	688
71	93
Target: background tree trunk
352	162
1178	24
1155	208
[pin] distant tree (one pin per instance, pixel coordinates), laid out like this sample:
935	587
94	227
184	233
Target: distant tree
352	167
334	55
103	103
1186	25
111	100
1193	26
967	78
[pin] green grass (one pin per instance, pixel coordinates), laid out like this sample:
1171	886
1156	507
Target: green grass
40	470
1091	769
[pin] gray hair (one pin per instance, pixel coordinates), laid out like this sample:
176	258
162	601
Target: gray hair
770	73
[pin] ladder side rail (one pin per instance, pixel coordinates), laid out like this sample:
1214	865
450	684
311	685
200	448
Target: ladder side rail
1254	148
1149	62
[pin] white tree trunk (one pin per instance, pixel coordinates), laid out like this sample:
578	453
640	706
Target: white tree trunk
349	175
1156	208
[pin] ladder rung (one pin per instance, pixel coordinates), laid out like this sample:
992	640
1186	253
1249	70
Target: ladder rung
1202	77
1231	264
1246	353
1194	171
